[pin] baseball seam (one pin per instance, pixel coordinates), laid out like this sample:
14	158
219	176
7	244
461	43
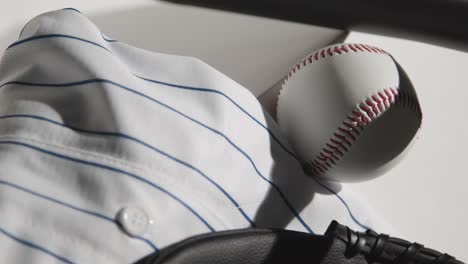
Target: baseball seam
332	51
363	114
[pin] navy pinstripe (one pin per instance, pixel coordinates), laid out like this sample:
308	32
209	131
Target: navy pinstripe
56	36
178	160
239	107
229	99
72	9
133	139
198	89
172	157
108	168
34	246
73	207
203	90
107	39
219	187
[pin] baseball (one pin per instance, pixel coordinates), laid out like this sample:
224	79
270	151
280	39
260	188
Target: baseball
349	111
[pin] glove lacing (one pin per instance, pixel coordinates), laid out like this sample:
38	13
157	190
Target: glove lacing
360	242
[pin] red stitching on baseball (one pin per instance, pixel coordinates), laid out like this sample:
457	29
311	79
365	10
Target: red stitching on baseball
337	49
361	116
332	140
342	138
343	48
370	103
319	165
348	124
322	54
378	101
332	154
322	157
330	51
314	168
343	133
348	133
337	150
358	46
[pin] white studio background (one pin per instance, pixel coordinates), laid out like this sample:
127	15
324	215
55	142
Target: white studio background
425	196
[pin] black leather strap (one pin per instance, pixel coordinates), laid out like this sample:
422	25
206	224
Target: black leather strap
409	254
379	246
443	259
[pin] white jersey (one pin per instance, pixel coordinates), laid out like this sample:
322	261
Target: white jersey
91	128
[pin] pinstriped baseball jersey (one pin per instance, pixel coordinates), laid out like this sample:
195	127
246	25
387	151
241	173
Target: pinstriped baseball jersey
109	152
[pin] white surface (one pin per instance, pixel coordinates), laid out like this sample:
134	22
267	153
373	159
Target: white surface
425	196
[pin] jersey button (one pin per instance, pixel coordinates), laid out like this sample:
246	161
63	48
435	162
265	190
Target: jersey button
134	221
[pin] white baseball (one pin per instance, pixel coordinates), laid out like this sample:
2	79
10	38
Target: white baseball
348	112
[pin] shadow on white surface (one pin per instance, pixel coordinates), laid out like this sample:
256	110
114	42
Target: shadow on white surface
255	52
300	191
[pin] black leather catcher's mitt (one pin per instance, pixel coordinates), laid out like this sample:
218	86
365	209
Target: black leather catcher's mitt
339	245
